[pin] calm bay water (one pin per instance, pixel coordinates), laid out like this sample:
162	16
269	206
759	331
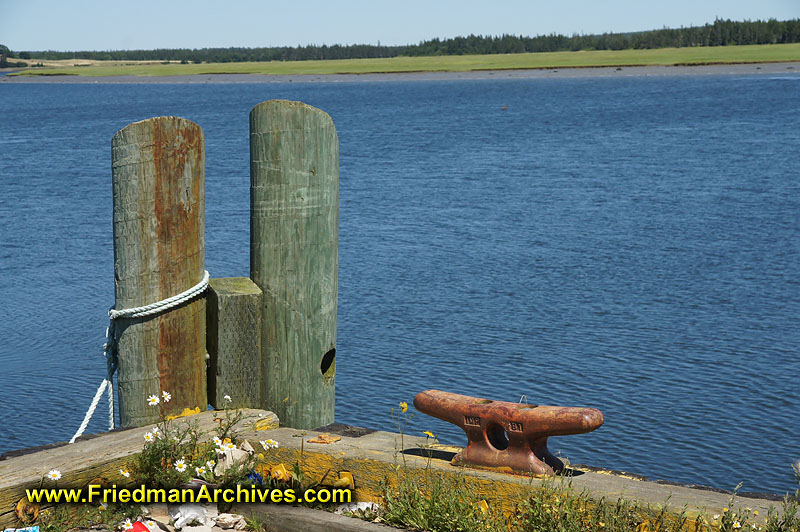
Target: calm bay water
629	244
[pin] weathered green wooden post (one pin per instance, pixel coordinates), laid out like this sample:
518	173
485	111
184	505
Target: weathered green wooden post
233	307
294	239
158	175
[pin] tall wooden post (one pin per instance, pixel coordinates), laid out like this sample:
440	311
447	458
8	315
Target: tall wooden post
294	239
158	176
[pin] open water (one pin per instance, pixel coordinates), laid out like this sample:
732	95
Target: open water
631	244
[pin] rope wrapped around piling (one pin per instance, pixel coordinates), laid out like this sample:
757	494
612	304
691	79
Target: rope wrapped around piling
110	347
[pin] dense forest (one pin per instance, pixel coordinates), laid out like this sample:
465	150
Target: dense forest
720	33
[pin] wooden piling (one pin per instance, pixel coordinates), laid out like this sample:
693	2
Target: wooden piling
234	343
158	176
294	238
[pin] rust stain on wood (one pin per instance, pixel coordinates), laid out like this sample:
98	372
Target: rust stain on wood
179	161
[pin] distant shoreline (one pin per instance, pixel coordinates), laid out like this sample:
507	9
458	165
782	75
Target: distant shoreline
533	73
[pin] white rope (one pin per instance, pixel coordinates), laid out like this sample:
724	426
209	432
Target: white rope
110	403
109	349
90	412
155	308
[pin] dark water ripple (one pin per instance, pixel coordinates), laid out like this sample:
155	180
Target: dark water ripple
630	244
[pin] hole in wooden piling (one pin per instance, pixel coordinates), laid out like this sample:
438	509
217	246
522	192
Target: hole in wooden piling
327	361
498	437
482	401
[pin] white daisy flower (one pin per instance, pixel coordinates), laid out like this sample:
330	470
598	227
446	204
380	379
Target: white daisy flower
736	524
125	473
217	441
148	437
127	525
166	396
210	464
54	474
156	432
227	398
152	400
716	516
150	524
269	444
230	446
180	465
200	470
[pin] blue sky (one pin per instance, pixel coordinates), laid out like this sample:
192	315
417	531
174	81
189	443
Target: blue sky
120	24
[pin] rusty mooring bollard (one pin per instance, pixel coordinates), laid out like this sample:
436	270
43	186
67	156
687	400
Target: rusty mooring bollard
510	437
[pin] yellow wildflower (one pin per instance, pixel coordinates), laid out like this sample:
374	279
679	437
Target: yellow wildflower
280	473
403	407
429	434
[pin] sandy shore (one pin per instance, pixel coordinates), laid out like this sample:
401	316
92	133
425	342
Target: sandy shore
595	72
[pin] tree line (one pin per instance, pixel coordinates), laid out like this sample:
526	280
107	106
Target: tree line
720	33
5	55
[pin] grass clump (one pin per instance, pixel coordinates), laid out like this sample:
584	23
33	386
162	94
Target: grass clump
444	503
174	453
62	518
790	517
436	502
559	509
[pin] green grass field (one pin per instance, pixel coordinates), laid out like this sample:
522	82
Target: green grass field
456	63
